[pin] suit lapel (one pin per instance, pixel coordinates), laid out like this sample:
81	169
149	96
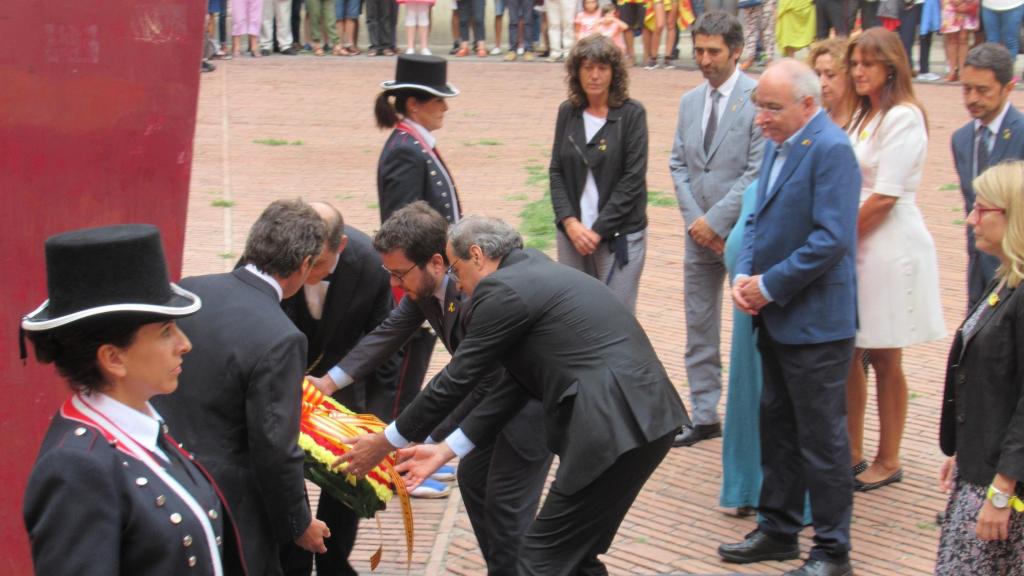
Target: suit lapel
450	312
796	155
737	99
1007	132
697	134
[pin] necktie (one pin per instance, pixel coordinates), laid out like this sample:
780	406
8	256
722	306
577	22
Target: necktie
709	131
982	150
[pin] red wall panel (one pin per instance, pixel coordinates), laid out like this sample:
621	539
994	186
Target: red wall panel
97	115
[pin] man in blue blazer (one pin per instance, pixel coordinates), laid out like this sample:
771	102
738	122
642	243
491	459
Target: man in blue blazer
987	79
797	277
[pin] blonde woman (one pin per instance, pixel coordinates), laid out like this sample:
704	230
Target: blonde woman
982	426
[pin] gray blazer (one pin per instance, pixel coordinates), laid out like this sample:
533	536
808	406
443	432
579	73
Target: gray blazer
712	184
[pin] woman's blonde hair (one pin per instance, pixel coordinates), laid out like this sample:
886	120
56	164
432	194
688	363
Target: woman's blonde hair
1002	186
836	48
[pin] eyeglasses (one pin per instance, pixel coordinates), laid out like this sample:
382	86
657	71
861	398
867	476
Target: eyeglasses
451	270
980	210
398	275
770	109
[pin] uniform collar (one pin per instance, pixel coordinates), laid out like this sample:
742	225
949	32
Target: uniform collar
425	134
143	428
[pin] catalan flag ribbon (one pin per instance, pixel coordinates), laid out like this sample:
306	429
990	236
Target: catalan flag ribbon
324	424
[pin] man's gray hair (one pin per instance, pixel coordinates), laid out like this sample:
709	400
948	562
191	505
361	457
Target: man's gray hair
494	237
803	79
285	234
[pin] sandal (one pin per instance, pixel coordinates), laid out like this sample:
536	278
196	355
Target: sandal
318	51
353	51
464	51
481	51
339	50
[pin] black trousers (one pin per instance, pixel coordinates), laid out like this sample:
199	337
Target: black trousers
381	20
804	443
834	14
501	486
571	530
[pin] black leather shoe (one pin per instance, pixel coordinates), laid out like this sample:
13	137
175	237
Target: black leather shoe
815	567
690	436
758	547
290	51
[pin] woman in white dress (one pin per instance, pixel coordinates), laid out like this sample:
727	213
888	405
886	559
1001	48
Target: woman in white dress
897	271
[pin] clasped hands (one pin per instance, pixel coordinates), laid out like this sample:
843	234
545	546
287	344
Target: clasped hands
415	463
746	293
583	239
703	234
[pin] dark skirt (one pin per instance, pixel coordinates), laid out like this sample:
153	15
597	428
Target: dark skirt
960	550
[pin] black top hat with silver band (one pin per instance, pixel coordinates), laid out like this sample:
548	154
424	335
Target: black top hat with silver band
427	73
111	269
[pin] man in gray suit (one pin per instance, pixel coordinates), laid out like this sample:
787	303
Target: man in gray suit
716	155
610	411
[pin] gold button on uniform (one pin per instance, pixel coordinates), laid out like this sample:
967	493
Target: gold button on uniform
212	514
192	561
80	431
187	540
141	481
175	518
220	541
161	500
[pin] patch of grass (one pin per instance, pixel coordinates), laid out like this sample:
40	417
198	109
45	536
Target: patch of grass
538	223
271	142
926	526
948	187
955	209
520	197
660	199
959	222
536	176
373	206
342	196
483	142
296	142
913	395
222	203
226	255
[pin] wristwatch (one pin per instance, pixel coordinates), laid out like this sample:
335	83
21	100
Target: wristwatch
1002	500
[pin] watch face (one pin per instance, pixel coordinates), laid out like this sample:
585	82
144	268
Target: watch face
1000	500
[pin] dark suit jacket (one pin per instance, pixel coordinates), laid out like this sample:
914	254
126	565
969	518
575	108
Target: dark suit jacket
618	157
1008	145
237	408
802	237
983	403
406	173
87	513
565	338
358	298
450	323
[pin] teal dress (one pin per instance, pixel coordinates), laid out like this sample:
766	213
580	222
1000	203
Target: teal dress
741	448
741	438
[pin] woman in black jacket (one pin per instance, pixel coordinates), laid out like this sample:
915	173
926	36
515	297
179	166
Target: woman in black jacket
410	166
111	493
598	170
982	427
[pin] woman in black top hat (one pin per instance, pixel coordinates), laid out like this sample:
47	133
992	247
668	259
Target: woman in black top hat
410	166
111	492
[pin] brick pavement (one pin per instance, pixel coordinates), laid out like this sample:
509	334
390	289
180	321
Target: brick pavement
495	131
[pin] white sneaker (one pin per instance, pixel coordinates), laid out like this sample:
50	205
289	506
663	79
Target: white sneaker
520	51
929	77
410	50
431	489
426	51
496	51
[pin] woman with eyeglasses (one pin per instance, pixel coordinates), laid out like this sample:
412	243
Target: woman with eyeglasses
982	425
897	270
598	170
